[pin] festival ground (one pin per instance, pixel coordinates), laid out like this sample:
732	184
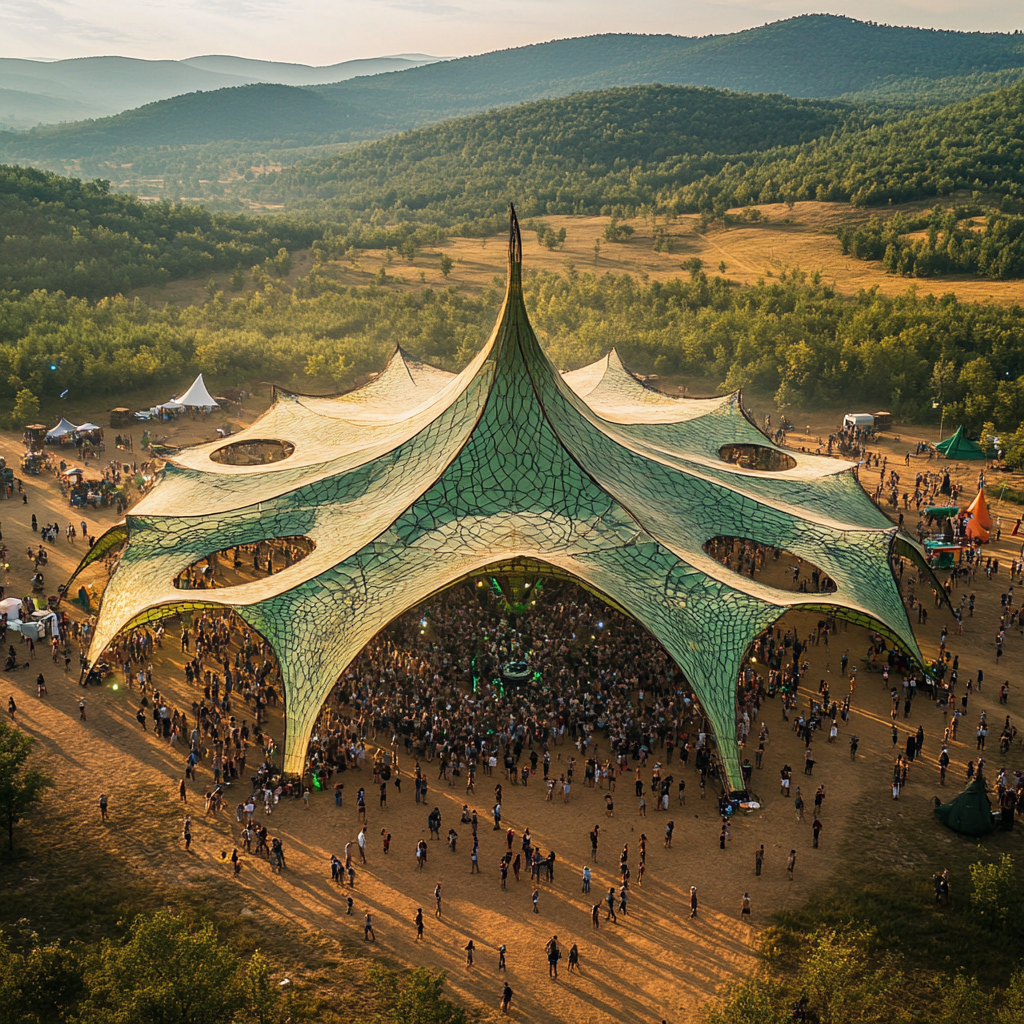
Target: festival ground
655	963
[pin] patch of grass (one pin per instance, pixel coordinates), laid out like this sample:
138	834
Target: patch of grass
886	887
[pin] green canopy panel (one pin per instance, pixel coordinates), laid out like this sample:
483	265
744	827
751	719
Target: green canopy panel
422	477
960	446
971	812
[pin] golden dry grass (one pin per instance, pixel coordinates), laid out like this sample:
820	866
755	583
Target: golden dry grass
800	239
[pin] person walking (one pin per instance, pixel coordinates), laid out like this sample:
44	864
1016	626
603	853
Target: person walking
693	901
536	900
470	950
586	878
574	959
501	957
758	860
361	840
104	803
816	827
595	916
368	933
610	901
745	907
437	900
506	998
791	863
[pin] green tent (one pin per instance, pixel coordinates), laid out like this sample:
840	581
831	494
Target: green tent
971	812
960	446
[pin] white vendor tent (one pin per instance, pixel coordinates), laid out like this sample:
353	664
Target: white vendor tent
197	396
11	607
63	428
88	426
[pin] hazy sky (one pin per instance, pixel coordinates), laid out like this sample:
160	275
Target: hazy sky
326	31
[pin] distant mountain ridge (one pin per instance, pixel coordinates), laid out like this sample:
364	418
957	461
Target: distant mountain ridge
90	87
811	56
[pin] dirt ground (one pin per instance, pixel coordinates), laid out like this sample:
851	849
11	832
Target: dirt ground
655	963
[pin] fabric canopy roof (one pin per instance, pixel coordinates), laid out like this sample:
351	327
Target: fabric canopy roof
197	396
89	426
62	429
960	446
422	478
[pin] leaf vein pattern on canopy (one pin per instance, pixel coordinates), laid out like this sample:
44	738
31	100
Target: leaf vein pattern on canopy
421	478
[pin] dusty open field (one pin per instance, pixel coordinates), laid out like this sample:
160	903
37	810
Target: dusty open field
785	240
654	964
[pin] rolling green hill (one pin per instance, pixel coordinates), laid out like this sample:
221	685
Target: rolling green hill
809	56
977	145
66	234
573	155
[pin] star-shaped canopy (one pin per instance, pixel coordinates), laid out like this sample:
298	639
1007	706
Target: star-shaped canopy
422	478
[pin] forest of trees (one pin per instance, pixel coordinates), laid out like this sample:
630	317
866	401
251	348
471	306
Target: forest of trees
63	234
676	149
791	339
953	242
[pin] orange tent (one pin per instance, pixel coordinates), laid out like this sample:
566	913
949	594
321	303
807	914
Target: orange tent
976	531
979	509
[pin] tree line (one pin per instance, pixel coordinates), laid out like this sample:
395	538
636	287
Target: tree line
790	338
953	242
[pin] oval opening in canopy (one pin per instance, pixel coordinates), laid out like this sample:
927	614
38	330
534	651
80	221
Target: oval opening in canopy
246	563
757	457
770	566
259	452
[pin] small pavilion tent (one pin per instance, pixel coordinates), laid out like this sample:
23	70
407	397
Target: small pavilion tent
971	812
979	509
85	427
197	397
960	446
61	430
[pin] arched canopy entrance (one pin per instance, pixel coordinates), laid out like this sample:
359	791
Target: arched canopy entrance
421	478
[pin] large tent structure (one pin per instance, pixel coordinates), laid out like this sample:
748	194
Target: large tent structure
959	446
423	478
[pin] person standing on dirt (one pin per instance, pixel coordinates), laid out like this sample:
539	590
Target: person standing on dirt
104	802
693	902
791	863
506	998
816	827
437	901
368	933
759	860
419	924
610	900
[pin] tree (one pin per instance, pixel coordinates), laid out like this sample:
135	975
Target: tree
693	266
408	249
418	1001
995	894
964	1001
21	787
616	232
38	984
166	971
26	408
446	264
943	381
